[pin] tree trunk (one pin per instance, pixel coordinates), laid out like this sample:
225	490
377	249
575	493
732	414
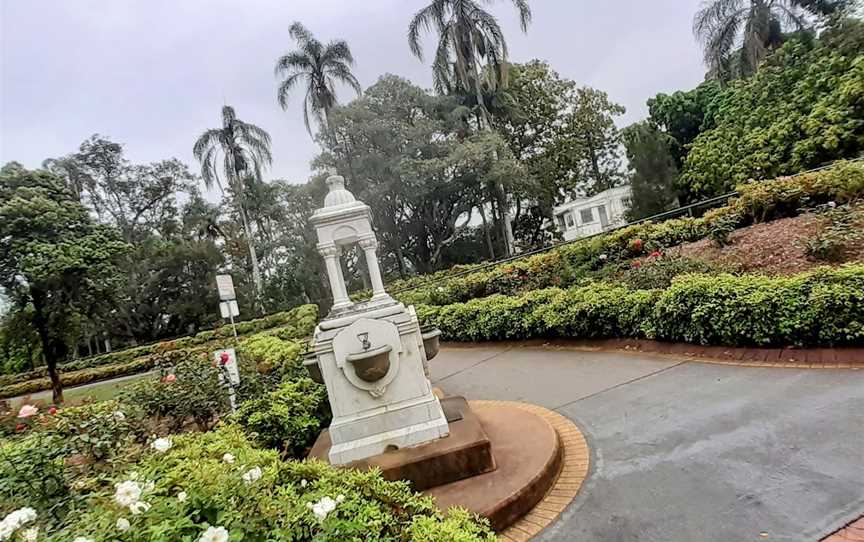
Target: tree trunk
253	257
52	349
506	228
486	233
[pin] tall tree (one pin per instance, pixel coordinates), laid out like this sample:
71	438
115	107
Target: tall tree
317	67
245	151
417	169
469	40
53	257
653	174
590	137
736	35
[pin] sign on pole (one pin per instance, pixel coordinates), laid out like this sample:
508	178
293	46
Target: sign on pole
229	309
229	373
225	285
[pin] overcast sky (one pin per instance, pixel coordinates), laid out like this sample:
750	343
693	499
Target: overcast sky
153	74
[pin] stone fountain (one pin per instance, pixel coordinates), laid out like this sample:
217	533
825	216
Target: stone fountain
373	358
370	355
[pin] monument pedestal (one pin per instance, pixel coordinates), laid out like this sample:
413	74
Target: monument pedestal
466	452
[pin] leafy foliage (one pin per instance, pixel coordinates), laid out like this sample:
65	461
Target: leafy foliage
822	308
801	110
841	228
288	418
273	506
52	257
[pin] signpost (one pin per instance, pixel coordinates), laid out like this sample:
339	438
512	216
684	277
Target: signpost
226	360
229	372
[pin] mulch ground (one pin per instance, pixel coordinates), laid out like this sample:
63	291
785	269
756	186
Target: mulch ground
854	532
772	248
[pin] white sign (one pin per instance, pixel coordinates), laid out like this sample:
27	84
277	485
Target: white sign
225	285
229	309
227	359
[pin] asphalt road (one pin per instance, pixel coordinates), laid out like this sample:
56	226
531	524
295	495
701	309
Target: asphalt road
687	451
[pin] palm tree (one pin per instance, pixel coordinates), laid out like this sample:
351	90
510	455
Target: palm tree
239	150
737	35
319	67
468	37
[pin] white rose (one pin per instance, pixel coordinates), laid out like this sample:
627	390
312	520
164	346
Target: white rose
303	482
228	458
127	493
139	507
161	445
31	534
214	534
252	475
182	496
119	416
123	525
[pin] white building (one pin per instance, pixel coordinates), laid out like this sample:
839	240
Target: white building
586	216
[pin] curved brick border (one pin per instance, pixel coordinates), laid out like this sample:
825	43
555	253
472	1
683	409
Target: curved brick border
854	532
574	470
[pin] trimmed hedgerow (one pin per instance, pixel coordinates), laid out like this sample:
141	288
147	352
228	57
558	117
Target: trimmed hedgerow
572	263
296	323
820	308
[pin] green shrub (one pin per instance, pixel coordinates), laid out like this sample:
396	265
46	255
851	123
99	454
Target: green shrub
275	505
191	390
288	418
841	228
820	308
569	264
659	272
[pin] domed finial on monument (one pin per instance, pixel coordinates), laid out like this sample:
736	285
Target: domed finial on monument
337	195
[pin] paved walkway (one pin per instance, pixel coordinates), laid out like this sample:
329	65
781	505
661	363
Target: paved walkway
686	451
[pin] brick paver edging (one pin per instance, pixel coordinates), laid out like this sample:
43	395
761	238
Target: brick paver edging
799	358
854	532
574	470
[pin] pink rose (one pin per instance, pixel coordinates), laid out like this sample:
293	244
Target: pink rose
169	379
28	411
52	410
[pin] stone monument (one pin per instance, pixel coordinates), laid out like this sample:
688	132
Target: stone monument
370	355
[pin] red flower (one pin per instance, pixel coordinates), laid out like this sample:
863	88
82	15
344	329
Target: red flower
636	244
169	379
656	254
224	358
52	410
20	427
636	263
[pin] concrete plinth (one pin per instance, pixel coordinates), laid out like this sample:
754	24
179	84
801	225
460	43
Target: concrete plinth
466	452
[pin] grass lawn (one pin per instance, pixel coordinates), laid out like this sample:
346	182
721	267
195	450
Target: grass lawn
88	393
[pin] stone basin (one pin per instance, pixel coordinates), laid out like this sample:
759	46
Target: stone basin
371	365
431	341
310	361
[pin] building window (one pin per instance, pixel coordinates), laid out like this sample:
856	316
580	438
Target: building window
569	218
625	202
586	216
561	223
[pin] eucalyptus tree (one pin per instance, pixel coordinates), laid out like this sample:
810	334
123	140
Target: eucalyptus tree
240	151
471	43
317	68
736	35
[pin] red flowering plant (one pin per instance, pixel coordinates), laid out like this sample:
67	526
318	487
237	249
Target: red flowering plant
636	246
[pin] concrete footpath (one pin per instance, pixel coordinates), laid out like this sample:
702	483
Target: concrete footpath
685	451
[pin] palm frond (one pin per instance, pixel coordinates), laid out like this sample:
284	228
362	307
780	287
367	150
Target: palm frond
284	91
524	13
342	73
299	33
433	15
337	51
293	62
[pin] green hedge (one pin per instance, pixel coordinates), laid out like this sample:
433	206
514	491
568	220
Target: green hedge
296	323
276	504
566	265
820	308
